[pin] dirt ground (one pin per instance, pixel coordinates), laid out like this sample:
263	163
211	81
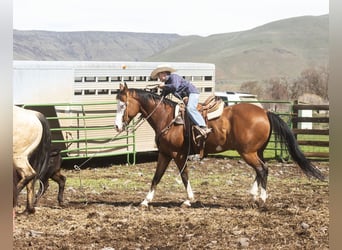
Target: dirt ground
102	210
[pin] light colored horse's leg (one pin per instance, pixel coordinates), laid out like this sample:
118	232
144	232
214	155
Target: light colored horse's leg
27	174
25	171
30	197
163	162
27	134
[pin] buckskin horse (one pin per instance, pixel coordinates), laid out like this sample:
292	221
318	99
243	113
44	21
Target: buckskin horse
243	127
31	148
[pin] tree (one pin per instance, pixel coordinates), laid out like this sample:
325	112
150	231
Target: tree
252	87
278	89
312	81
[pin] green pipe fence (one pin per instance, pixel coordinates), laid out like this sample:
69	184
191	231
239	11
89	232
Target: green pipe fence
86	130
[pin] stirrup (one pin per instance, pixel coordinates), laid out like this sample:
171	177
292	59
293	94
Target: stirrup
179	120
203	132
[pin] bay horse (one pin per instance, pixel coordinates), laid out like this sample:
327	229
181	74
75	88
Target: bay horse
243	127
31	148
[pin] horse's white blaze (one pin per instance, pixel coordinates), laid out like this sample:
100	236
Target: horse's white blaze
219	148
263	194
119	114
190	193
254	190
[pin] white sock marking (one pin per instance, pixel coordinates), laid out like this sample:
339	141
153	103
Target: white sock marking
263	194
254	190
190	193
149	197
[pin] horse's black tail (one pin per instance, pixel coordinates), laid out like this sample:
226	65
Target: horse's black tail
40	158
283	131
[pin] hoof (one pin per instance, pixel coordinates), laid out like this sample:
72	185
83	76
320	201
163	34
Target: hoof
62	204
186	204
144	204
28	211
257	203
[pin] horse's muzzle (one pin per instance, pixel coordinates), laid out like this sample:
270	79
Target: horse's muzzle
121	128
117	128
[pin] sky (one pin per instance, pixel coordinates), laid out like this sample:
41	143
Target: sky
183	17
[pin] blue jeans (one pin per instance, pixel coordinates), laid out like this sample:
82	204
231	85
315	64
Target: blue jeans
195	116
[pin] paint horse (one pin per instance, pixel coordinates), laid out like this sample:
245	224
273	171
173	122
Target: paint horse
31	148
243	127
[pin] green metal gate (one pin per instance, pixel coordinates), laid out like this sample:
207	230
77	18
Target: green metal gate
86	130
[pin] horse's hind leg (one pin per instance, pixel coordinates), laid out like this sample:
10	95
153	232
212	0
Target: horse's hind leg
27	175
163	162
30	197
25	171
261	171
183	170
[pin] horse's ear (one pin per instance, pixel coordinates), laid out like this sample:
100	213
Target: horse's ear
123	86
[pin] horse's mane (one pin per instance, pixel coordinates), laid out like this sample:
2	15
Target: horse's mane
146	96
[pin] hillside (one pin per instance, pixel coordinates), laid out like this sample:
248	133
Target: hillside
88	46
282	48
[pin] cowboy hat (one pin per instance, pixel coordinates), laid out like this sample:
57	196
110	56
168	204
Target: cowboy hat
161	68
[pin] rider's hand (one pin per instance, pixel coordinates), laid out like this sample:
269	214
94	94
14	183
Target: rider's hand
161	85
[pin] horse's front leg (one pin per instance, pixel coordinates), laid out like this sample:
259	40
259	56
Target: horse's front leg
163	162
183	170
60	179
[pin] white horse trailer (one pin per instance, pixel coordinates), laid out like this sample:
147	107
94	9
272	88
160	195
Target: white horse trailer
79	99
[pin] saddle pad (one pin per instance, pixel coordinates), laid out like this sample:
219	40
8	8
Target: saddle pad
216	113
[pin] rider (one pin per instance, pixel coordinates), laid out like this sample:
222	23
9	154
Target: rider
179	87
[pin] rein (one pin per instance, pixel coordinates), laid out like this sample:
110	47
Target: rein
141	119
78	167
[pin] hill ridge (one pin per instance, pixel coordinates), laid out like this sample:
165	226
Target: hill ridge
281	48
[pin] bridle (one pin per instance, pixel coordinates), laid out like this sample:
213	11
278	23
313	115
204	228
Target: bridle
141	119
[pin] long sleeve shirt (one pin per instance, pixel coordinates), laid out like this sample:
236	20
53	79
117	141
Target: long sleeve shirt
178	86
